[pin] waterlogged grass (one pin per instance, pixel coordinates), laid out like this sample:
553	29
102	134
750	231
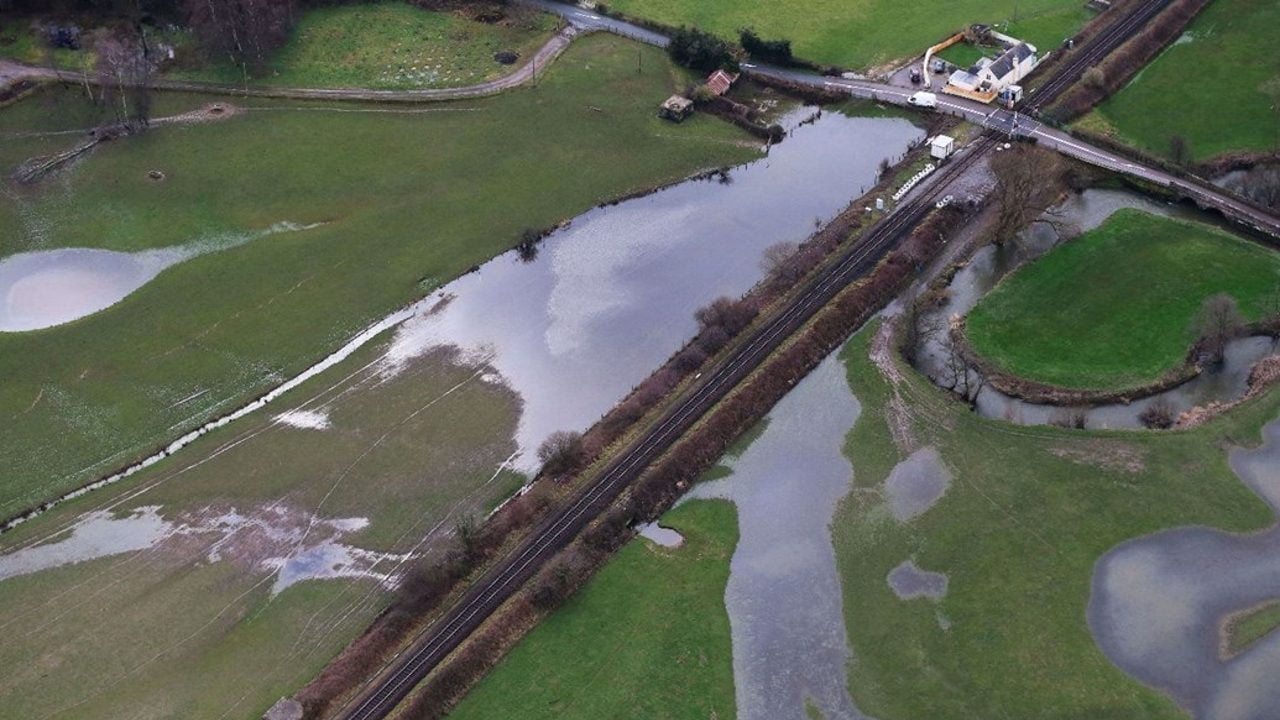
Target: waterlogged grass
1029	512
863	33
648	637
407	198
123	635
1207	87
391	45
1114	307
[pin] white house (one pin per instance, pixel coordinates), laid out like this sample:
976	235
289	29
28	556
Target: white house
989	77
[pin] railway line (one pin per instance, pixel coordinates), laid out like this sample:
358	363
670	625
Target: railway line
554	533
501	582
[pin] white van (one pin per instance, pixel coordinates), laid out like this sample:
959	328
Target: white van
923	99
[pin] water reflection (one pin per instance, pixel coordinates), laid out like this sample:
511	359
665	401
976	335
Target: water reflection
1158	605
783	596
609	298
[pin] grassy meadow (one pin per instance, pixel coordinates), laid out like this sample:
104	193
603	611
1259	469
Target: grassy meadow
865	33
1113	308
1027	514
648	637
391	45
1207	88
406	198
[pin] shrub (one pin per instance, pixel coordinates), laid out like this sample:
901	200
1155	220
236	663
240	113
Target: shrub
1158	415
699	50
561	453
774	51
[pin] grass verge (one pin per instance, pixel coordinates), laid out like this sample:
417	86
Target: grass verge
1113	308
647	637
1223	60
1027	514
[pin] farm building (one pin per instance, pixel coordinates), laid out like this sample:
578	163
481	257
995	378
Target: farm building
676	108
720	81
988	77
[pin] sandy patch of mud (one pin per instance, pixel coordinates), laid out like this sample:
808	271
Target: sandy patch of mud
916	484
909	582
1104	454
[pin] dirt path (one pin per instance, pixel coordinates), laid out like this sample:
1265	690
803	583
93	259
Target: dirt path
11	72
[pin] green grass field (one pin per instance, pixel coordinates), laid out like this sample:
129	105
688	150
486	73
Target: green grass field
1206	88
648	637
1113	308
864	33
410	197
1253	626
18	41
391	45
1028	513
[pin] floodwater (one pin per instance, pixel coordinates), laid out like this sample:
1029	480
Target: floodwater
50	287
1158	604
612	296
783	596
916	483
289	544
910	582
666	537
1081	213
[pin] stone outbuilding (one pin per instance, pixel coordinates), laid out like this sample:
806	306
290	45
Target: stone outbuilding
676	108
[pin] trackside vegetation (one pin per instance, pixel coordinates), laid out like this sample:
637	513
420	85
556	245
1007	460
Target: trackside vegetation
647	637
1217	88
1028	513
398	200
1113	308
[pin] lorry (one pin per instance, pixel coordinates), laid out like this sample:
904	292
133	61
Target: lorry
923	99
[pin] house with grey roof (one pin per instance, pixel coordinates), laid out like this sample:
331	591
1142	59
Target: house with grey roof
989	76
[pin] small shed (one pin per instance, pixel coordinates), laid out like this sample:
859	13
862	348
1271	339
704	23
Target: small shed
720	81
676	108
941	147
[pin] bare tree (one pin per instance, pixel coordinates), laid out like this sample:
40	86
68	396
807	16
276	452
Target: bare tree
919	326
1179	150
957	376
1028	182
777	263
1158	415
562	453
124	69
733	317
1218	323
246	31
1261	184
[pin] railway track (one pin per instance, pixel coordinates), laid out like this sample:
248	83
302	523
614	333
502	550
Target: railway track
1098	47
556	532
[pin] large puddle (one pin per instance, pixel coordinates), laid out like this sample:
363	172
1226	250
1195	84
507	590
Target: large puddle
1083	212
1159	603
784	600
612	296
50	287
288	544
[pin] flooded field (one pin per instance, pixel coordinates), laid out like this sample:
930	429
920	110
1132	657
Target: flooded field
988	265
1160	604
424	418
789	642
609	298
49	287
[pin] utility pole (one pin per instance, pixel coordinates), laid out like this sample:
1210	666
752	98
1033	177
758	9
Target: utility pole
639	60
